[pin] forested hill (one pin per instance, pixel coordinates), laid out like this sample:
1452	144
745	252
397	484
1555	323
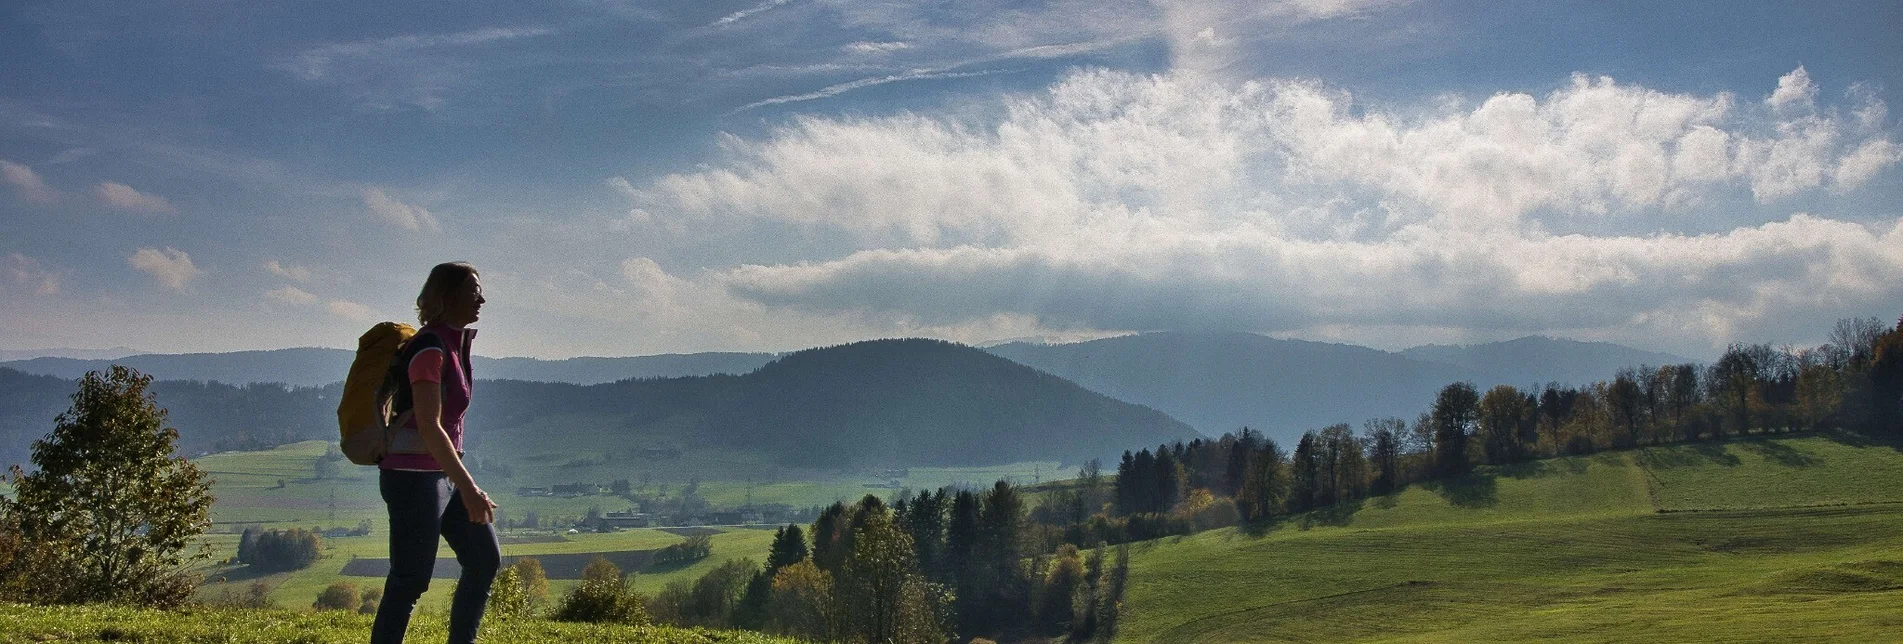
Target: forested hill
1219	382
311	367
883	402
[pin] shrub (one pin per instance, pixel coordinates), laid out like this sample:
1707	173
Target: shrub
508	599
603	596
338	596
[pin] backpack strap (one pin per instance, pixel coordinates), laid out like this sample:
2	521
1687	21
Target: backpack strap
400	369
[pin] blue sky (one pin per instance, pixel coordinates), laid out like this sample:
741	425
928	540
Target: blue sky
648	177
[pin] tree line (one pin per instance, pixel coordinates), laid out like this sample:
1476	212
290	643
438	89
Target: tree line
1854	382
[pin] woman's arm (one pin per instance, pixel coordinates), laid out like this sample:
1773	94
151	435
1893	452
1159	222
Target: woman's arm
429	425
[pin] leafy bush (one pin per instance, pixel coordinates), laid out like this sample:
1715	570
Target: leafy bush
507	597
603	596
338	596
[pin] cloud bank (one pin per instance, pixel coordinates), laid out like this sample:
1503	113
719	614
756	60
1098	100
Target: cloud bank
1115	201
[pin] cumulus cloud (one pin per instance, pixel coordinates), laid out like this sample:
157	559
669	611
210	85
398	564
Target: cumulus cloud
1794	90
1120	201
170	266
26	273
291	295
122	196
27	183
397	213
351	310
291	272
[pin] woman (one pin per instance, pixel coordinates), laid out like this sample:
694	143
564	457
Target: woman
426	487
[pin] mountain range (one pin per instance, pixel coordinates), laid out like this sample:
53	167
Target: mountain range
1220	382
1213	382
878	403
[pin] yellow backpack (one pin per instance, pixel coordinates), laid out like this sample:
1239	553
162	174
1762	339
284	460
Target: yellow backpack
363	412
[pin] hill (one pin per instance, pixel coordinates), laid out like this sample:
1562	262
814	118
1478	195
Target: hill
1677	543
1218	382
1538	359
313	367
886	403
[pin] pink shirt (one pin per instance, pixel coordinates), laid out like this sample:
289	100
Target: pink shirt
427	369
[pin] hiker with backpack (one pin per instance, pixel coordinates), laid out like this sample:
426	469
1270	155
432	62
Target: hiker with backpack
402	410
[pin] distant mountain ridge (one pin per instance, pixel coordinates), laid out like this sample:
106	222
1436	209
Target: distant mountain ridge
1538	359
1219	382
906	402
311	367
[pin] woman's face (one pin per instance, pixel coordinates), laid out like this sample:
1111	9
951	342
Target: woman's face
464	305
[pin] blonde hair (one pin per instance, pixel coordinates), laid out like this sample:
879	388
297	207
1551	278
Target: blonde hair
443	280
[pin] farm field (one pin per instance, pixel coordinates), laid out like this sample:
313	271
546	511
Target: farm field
1778	539
279	488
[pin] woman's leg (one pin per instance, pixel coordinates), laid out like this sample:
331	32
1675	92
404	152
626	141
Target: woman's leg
480	556
416	501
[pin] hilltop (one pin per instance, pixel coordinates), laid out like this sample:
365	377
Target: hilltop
877	403
1787	538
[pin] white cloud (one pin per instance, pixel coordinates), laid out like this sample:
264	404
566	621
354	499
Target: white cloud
870	47
400	214
27	183
743	14
26	272
409	70
351	311
1122	202
1794	90
1869	159
291	295
170	266
291	272
122	196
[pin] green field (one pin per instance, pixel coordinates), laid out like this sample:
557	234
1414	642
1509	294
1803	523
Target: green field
249	494
23	624
1787	539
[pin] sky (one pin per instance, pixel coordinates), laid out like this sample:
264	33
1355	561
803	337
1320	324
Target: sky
636	178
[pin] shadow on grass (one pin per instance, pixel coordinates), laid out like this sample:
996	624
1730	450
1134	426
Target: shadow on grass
1780	453
1261	527
1337	515
1470	491
1687	454
1858	439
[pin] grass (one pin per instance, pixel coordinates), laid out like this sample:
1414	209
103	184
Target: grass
248	493
1803	548
21	624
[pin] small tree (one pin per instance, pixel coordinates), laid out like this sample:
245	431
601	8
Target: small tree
508	598
371	597
603	596
111	511
801	603
534	580
338	596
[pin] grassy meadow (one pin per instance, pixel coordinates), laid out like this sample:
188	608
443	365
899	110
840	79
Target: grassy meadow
23	624
249	493
1761	539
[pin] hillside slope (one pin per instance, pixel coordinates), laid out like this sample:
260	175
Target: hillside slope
1660	544
885	403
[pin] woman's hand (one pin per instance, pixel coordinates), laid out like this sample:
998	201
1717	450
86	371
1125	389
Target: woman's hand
481	510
